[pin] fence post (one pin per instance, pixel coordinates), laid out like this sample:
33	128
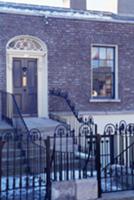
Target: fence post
48	170
98	163
111	148
1	148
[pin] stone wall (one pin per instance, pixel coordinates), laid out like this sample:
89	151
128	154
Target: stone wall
124	195
85	189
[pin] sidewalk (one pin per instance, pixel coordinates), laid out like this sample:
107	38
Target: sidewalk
125	195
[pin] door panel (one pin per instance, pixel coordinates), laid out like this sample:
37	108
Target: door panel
25	85
17	73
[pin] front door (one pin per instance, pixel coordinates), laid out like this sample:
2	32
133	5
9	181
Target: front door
25	85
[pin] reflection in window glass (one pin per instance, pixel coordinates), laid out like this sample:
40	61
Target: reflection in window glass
110	64
95	53
110	53
103	63
102	53
95	63
103	60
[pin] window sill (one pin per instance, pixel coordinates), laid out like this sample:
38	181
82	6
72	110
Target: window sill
105	100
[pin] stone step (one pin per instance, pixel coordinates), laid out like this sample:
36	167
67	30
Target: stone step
42	124
123	195
4	126
45	125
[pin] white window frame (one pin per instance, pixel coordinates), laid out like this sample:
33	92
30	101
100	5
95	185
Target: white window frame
116	98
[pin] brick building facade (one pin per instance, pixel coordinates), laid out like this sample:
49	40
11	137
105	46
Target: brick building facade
69	37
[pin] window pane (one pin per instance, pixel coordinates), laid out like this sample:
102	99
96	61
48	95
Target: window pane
103	63
95	53
95	63
110	53
110	64
102	53
103	72
102	85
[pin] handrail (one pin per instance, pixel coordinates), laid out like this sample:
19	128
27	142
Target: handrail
12	114
20	115
65	96
10	109
71	105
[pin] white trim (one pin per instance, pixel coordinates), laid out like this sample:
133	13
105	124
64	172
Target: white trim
42	72
41	43
123	112
100	119
46	13
105	100
116	99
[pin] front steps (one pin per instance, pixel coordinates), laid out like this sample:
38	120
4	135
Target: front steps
15	152
5	126
44	125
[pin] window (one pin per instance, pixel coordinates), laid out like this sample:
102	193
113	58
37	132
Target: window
103	72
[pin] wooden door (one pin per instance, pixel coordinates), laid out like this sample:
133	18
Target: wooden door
25	85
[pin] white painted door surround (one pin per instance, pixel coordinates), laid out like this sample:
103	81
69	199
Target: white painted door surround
26	46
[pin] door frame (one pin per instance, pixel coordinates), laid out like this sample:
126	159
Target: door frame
42	73
24	63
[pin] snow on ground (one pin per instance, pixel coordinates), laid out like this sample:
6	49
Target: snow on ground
37	190
34	191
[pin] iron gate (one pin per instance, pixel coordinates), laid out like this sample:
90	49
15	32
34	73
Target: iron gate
117	157
29	164
73	155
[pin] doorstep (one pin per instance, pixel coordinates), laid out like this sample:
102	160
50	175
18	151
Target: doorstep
44	125
5	126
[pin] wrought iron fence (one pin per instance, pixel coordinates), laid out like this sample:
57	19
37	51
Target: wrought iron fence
117	157
74	155
29	164
22	166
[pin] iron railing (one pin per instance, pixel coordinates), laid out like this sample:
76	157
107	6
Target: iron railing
29	164
10	112
64	95
117	157
22	172
73	155
22	156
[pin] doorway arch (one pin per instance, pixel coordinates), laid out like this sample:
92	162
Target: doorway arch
29	47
